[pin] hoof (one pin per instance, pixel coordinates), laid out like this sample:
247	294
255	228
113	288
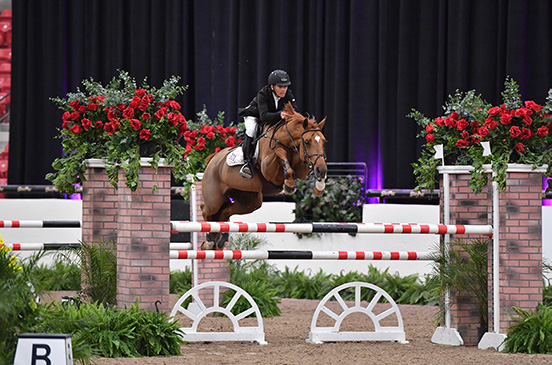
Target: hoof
207	245
288	190
224	237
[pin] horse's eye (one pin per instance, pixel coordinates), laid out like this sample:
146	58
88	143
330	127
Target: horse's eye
307	142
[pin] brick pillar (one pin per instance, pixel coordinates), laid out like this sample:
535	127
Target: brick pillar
208	270
520	249
467	208
143	240
99	207
520	240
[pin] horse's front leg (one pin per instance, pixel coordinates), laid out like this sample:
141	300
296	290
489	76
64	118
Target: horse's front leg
289	173
289	178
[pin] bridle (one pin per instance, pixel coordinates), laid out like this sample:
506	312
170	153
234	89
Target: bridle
307	158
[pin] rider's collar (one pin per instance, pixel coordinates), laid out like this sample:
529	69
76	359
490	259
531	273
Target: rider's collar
276	99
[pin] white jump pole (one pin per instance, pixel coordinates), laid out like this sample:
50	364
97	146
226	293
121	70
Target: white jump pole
193	202
446	243
496	264
495	339
446	335
326	227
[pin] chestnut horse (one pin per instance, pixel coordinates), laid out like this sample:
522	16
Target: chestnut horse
288	150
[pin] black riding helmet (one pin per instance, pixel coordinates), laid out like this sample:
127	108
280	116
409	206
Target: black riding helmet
279	77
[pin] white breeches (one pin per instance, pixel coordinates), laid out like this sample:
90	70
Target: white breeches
250	126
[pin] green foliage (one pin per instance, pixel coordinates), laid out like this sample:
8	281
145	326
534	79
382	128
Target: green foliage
180	281
155	333
292	283
98	330
62	275
253	277
341	201
374	276
464	270
547	295
532	332
19	289
297	284
262	292
518	133
396	285
99	270
420	292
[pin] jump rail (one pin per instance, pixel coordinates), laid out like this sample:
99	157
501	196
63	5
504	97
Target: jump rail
299	255
61	245
215	227
39	246
405	228
39	224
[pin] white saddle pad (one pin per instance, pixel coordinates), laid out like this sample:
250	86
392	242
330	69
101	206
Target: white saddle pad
235	157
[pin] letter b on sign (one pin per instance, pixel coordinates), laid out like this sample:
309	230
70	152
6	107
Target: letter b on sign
43	349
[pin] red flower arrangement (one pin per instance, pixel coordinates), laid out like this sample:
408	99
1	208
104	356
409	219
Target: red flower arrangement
206	136
113	123
518	132
117	123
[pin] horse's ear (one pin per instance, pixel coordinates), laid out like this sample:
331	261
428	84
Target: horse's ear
305	123
321	124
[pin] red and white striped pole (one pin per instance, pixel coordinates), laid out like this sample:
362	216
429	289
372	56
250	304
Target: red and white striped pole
404	228
299	255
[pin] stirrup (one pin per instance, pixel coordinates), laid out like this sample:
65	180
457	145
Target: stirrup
246	171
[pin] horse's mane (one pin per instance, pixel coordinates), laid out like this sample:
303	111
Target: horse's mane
295	117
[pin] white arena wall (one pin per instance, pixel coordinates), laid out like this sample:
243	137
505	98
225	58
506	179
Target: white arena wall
61	209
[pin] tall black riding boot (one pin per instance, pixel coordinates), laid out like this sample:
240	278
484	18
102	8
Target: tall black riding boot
247	169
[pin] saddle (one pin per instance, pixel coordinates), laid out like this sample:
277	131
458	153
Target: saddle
235	157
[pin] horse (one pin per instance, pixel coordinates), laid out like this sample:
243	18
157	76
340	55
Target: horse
288	150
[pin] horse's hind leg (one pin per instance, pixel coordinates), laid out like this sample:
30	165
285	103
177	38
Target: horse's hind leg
243	202
213	202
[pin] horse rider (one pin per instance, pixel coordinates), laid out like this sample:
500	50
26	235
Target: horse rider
267	107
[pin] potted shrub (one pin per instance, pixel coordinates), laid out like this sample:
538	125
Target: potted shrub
518	132
465	270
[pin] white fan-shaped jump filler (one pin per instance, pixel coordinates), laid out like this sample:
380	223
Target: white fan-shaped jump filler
319	335
197	310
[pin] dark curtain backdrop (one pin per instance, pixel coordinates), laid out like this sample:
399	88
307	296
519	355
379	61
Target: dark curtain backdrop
362	63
